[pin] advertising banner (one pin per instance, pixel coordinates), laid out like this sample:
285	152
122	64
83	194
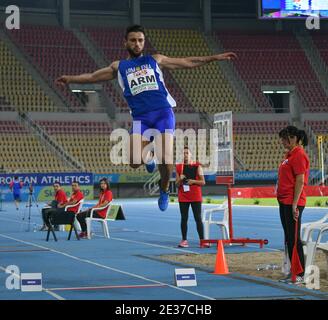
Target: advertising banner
42	184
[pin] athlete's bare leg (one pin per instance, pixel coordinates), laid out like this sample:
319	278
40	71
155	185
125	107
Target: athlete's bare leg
165	158
136	148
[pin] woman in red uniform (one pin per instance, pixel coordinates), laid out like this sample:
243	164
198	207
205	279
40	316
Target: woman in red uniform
105	197
190	179
293	175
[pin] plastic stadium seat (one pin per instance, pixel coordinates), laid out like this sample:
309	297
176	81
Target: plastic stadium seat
287	66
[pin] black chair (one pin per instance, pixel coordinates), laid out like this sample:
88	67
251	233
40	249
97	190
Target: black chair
66	218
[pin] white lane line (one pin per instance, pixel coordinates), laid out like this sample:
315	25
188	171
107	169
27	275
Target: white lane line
55	295
110	268
132	241
270	207
151	245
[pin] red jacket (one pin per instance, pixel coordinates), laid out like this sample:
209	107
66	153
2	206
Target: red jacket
295	163
195	192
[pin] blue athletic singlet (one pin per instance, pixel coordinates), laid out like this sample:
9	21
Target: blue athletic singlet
16	187
143	85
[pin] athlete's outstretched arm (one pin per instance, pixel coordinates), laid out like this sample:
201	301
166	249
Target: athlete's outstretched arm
190	62
108	73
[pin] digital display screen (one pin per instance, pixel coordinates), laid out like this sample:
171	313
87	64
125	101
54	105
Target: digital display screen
293	9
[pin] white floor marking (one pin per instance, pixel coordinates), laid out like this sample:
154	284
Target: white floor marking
110	268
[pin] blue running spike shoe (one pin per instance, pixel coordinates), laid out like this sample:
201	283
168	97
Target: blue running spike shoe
151	166
163	200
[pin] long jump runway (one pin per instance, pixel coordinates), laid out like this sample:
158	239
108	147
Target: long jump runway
127	266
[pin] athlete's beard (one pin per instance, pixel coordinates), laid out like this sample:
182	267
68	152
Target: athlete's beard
133	54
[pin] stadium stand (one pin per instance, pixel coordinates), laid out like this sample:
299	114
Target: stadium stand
54	51
252	140
89	142
18	90
321	42
199	90
318	127
274	59
206	87
22	151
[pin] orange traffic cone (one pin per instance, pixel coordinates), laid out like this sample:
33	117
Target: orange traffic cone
221	266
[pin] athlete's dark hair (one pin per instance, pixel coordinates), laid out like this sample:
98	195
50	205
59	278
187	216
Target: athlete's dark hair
105	180
56	182
292	131
134	28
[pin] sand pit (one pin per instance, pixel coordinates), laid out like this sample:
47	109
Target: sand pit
246	263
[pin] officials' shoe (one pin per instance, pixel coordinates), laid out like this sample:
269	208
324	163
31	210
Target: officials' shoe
183	244
83	235
299	280
204	245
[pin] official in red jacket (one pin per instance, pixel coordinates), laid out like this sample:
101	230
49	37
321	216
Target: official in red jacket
293	175
190	179
60	199
60	212
105	197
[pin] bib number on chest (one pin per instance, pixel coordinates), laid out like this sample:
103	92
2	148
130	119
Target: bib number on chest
143	80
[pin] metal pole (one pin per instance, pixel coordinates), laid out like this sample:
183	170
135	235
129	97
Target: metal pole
322	162
230	212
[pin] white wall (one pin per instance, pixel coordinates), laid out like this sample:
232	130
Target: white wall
262	117
8	116
51	116
315	116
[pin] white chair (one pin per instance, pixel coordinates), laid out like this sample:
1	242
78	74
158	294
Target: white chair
76	223
323	245
306	228
208	219
62	226
312	246
102	221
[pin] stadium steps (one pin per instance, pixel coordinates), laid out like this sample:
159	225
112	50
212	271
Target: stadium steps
89	46
232	76
312	148
314	57
56	149
106	101
56	99
97	54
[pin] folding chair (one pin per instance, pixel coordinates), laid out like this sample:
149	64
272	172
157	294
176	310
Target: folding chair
102	221
312	246
80	205
224	223
307	227
70	219
323	246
